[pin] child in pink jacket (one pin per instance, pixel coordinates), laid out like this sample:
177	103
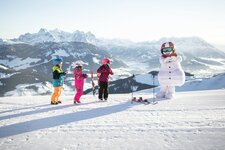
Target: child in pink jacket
79	81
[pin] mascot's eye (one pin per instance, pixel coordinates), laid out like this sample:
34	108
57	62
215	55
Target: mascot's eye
167	49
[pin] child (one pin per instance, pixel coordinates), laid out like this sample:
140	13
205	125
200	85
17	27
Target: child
58	79
171	73
79	81
103	74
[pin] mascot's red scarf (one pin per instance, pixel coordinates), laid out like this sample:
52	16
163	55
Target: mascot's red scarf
165	56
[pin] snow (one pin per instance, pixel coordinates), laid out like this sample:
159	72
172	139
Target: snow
145	79
120	73
214	66
191	83
4	75
219	68
9	42
25	90
215	82
79	54
96	60
60	52
3	67
193	120
19	63
56	35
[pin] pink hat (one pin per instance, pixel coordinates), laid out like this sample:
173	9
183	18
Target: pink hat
106	61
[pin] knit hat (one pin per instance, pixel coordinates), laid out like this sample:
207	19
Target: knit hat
106	61
57	60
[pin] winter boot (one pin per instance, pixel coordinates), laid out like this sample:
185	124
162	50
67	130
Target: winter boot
54	103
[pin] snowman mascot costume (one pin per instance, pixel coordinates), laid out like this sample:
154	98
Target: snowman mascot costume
171	73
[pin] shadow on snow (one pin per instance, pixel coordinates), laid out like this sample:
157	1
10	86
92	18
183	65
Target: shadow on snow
54	121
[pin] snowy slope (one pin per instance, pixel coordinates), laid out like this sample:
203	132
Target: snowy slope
191	83
215	82
193	120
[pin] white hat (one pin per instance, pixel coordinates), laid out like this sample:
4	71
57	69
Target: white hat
77	63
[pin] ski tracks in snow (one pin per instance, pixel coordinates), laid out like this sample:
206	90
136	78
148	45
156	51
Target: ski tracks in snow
193	120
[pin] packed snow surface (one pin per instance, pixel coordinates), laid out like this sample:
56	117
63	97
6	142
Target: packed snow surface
192	121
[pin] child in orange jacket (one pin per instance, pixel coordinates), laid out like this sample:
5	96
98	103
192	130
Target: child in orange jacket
58	80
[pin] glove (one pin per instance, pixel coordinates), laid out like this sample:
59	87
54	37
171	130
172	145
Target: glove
85	75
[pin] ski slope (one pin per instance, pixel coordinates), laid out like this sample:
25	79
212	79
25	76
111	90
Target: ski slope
192	121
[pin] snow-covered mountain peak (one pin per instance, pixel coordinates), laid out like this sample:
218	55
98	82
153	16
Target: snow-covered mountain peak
195	46
32	38
56	35
192	41
84	37
42	30
1	41
57	30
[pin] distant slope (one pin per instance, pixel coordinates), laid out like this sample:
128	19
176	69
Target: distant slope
27	67
213	83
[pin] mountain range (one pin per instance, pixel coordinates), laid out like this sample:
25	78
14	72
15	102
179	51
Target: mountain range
199	57
25	62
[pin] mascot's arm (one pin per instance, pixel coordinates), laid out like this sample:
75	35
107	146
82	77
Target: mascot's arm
161	60
179	59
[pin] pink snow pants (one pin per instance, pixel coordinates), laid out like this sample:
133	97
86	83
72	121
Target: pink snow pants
79	85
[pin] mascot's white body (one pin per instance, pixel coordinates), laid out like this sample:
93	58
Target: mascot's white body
170	75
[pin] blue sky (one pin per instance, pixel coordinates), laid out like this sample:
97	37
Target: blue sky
137	20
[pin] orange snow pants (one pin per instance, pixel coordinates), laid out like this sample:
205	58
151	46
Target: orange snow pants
56	94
